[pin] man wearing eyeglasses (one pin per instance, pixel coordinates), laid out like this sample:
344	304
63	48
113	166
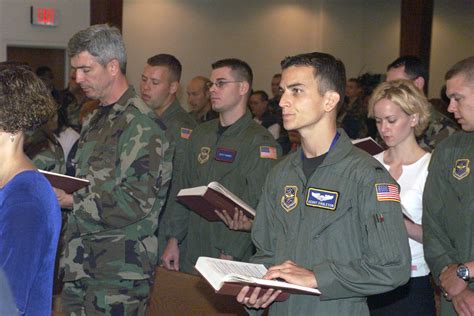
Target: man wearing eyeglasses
233	150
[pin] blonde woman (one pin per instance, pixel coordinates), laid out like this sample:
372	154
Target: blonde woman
401	113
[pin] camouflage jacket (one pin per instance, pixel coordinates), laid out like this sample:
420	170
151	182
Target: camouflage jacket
179	126
440	128
110	233
51	157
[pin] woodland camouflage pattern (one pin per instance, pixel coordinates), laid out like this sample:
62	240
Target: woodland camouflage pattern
110	232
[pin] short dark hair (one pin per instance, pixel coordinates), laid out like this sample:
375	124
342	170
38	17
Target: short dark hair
278	75
43	70
357	81
329	72
239	67
414	67
25	101
168	61
263	95
465	67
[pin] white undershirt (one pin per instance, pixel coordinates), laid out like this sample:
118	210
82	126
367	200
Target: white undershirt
412	183
66	139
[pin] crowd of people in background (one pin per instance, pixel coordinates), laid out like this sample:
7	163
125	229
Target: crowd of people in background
395	228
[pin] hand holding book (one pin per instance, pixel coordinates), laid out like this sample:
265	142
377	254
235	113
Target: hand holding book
235	278
238	222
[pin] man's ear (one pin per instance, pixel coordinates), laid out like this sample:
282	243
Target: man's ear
330	100
174	87
244	87
419	82
113	66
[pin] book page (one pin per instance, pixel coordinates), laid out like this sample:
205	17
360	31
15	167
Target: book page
233	267
216	186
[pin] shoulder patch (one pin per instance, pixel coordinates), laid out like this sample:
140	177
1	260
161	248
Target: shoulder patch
186	132
268	152
387	192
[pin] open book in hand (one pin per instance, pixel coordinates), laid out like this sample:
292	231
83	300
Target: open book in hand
369	145
67	183
205	199
229	277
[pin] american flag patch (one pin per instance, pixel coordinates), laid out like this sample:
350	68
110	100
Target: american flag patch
268	152
186	132
387	192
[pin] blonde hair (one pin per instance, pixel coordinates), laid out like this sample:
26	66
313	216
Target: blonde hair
408	97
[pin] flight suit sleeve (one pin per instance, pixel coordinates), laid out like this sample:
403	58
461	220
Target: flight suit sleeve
385	261
254	170
174	222
125	190
438	249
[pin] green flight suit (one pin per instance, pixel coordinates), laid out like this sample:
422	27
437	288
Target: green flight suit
335	225
110	232
179	126
448	207
238	160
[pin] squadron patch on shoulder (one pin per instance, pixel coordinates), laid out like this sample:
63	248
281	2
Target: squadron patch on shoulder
387	192
322	198
186	132
461	169
225	155
203	156
289	200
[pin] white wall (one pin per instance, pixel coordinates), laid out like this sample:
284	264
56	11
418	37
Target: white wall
16	29
199	32
452	39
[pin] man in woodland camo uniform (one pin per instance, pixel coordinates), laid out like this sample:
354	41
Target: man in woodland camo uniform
111	247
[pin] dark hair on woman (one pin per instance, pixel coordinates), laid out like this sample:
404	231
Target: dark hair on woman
25	102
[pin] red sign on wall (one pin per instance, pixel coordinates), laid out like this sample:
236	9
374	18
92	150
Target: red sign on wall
44	16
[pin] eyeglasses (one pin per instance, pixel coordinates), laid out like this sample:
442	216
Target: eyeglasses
221	83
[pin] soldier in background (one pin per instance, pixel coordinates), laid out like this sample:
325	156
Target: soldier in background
199	100
412	68
110	244
158	87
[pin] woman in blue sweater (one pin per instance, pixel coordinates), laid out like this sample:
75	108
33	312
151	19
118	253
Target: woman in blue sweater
30	219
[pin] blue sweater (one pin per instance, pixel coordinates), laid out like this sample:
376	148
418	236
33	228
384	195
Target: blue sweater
30	223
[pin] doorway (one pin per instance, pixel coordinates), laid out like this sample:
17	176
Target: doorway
54	58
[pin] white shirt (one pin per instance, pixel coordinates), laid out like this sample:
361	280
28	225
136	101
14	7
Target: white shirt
67	138
412	183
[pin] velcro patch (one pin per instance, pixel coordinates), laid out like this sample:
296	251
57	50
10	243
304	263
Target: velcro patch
322	198
186	132
225	155
268	152
387	192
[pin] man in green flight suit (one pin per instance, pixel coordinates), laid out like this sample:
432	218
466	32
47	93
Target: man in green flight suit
233	150
158	87
448	209
330	215
110	244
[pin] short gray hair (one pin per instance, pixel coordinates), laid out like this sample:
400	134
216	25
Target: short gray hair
101	41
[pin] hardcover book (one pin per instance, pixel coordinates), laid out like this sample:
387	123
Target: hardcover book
229	277
369	145
67	183
205	199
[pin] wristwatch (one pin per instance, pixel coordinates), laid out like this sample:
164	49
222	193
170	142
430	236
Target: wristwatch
463	272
